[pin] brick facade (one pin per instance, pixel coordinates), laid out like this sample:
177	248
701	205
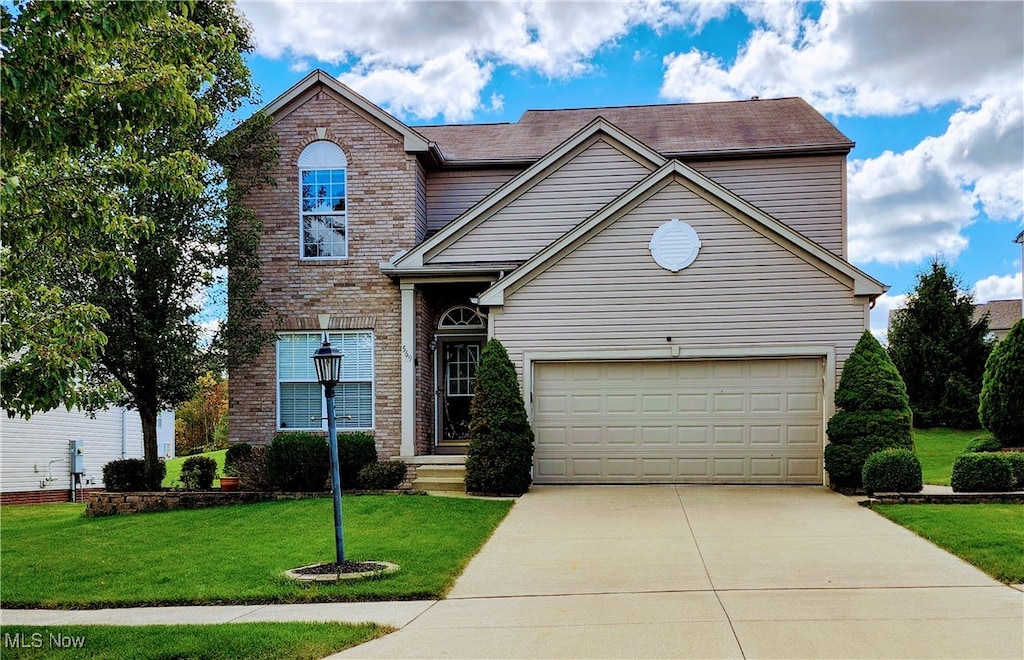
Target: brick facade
382	220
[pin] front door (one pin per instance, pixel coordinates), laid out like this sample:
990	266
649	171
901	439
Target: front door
459	359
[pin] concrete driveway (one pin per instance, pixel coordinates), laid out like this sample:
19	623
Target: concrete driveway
710	571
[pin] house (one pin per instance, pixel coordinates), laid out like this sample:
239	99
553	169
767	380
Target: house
36	454
1002	314
671	283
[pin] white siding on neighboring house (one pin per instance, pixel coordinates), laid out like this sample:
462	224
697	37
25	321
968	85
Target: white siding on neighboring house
743	290
33	450
450	192
806	193
556	204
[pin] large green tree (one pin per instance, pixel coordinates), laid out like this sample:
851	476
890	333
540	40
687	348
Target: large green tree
142	338
940	350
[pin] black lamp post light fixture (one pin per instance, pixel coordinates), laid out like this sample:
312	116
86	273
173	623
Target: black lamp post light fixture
327	361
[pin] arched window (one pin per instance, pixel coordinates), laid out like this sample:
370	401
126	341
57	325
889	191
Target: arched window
462	318
323	211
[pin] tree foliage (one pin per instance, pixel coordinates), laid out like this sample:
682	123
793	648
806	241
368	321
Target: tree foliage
166	220
874	413
1002	391
940	350
200	424
500	454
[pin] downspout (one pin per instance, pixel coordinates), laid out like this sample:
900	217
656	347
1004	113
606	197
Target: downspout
124	433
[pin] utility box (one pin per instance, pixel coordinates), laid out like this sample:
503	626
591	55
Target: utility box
77	459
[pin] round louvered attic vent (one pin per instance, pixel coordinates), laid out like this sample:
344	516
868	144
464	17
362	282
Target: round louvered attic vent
674	245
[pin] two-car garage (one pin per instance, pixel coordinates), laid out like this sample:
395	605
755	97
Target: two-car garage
744	421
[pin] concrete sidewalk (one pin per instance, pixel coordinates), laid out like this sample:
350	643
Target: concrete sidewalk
720	571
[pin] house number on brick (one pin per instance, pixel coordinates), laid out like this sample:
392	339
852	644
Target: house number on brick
674	245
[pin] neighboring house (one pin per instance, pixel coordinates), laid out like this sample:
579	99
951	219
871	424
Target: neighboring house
1002	314
35	456
670	281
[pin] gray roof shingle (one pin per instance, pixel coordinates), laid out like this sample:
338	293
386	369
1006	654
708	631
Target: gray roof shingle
762	125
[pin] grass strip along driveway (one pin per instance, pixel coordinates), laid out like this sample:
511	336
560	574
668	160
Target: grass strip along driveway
990	536
53	557
272	641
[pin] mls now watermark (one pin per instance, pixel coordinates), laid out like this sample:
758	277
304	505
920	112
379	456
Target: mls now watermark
39	640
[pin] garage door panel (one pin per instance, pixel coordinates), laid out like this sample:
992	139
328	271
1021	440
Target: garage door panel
738	421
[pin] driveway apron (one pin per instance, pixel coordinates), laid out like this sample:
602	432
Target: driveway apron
708	572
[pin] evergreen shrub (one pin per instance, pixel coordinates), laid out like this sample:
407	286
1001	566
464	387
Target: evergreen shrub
355	451
1001	407
127	475
984	472
982	444
500	454
197	472
1016	459
382	475
298	461
252	470
874	413
235	453
892	471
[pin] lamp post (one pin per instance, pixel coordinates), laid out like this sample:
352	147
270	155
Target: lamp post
327	360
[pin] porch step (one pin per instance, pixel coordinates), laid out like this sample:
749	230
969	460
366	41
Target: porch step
446	478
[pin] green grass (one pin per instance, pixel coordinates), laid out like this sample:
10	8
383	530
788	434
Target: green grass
173	477
990	536
938	448
293	641
54	557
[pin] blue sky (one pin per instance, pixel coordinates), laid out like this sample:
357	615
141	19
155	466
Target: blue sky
931	92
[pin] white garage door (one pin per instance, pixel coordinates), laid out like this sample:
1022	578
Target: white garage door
720	421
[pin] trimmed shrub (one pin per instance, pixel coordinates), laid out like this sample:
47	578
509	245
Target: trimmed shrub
500	454
382	475
252	470
1002	389
892	471
1016	459
235	453
128	474
197	472
355	451
986	472
982	444
298	461
874	413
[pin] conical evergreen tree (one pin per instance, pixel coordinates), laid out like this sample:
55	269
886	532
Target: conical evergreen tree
874	413
1002	391
500	454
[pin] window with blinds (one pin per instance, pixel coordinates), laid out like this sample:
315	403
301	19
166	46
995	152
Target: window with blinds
300	398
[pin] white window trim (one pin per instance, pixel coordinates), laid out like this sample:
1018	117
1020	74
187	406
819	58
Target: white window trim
323	401
323	155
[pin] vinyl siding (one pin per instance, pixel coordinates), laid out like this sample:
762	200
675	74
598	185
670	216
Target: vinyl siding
557	203
742	290
28	444
421	202
806	193
449	193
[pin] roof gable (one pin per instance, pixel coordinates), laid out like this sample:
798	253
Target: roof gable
807	250
419	256
414	142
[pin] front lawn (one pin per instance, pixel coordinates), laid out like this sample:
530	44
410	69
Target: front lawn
54	557
990	536
938	448
284	641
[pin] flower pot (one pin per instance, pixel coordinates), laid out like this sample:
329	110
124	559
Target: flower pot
228	484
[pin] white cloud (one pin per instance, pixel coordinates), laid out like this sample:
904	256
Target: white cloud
864	58
884	305
997	287
915	204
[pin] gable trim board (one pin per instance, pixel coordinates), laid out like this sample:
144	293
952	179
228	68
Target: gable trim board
419	257
861	283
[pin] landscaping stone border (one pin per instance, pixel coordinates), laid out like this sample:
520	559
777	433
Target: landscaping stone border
944	498
106	503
